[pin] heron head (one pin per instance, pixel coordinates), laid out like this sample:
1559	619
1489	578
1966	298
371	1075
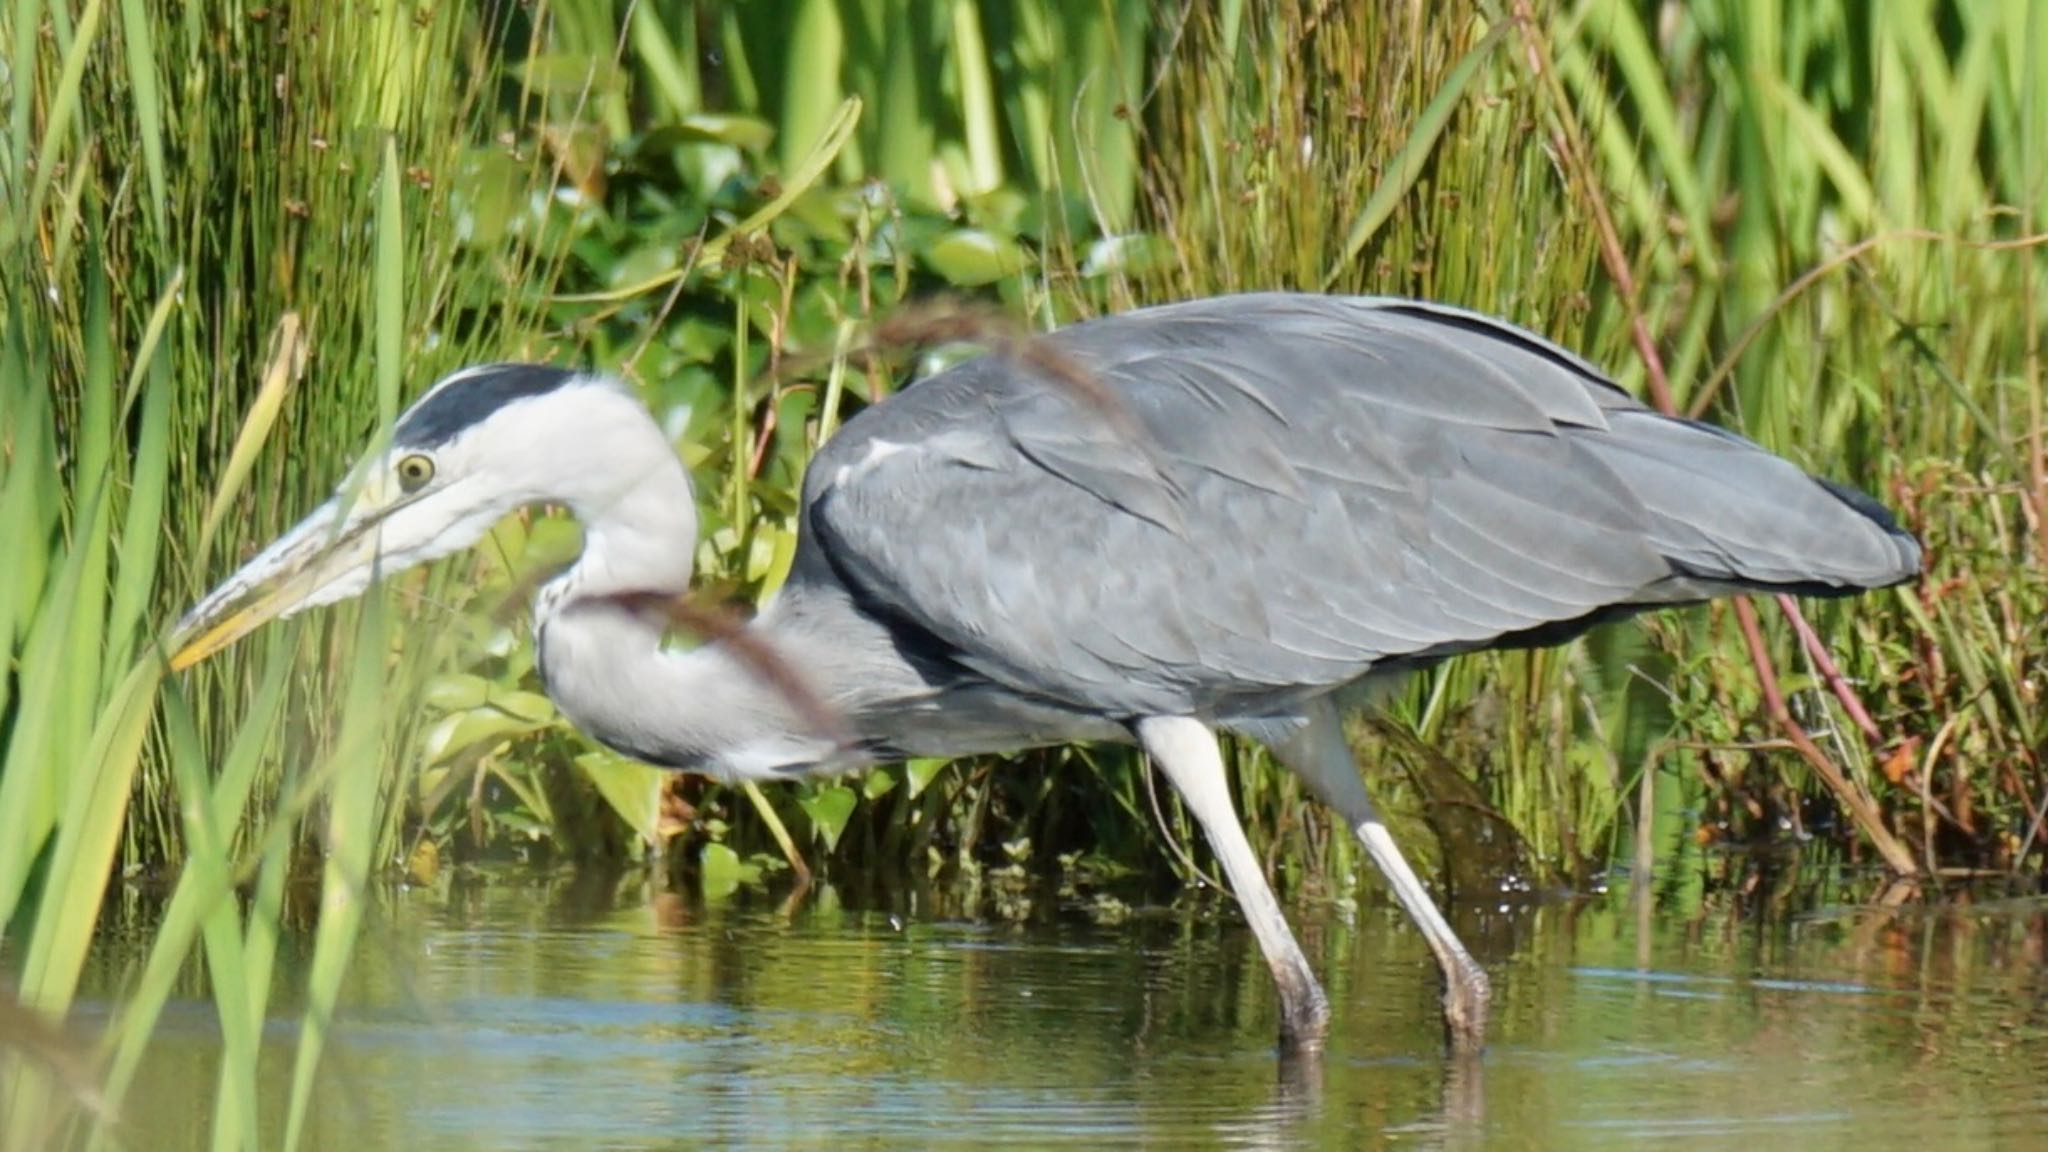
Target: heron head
481	443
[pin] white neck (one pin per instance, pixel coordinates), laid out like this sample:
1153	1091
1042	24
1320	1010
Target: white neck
601	626
704	710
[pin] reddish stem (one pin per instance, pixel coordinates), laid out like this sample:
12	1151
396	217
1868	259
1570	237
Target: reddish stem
1830	671
1861	807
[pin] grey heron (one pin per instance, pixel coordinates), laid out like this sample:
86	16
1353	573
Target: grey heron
1332	491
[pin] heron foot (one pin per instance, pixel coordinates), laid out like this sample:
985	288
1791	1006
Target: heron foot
1467	996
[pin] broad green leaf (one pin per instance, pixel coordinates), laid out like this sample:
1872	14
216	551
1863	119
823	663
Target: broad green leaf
921	773
719	869
455	692
631	788
970	257
829	808
749	133
879	782
452	735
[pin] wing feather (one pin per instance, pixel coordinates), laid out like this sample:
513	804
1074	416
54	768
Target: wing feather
1329	484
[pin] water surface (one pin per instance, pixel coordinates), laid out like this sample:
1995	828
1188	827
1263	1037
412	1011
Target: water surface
522	1016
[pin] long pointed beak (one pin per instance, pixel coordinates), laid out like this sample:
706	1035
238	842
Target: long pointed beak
319	561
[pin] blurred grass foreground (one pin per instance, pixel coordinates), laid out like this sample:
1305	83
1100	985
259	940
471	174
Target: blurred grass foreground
235	238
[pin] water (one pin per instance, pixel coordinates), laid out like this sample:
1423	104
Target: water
570	1017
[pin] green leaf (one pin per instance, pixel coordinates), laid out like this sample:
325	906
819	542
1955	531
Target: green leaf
673	70
1136	254
643	263
455	692
829	808
748	133
921	773
816	47
774	555
460	731
878	783
567	74
487	200
631	788
721	871
970	257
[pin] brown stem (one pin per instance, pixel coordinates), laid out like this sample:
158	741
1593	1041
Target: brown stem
1829	670
1854	799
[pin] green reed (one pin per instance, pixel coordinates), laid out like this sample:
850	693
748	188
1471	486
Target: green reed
190	354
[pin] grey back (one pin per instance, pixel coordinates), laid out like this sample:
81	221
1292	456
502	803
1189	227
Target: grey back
1322	486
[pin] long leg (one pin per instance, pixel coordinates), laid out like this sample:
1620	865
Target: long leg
1322	758
1185	750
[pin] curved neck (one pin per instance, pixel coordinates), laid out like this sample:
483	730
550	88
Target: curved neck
642	541
704	709
600	628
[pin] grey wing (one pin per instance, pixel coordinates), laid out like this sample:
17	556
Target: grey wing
1337	483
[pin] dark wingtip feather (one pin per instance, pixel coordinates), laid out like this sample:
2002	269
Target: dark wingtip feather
1867	506
1862	502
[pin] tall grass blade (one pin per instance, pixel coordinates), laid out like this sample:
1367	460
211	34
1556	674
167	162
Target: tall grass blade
200	891
812	85
209	865
673	70
28	14
64	111
978	108
352	817
351	840
281	370
1408	163
139	46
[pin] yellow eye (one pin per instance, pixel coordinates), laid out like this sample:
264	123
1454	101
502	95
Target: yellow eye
413	473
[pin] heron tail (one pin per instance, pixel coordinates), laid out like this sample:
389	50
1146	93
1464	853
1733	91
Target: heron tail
1731	517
